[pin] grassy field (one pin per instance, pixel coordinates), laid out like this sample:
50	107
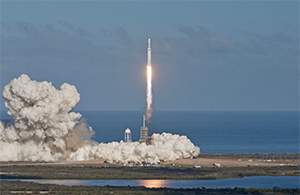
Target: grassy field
97	172
30	170
277	157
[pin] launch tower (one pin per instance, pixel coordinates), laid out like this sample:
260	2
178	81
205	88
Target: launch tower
143	132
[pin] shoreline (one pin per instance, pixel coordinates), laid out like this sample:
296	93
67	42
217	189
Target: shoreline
9	187
183	169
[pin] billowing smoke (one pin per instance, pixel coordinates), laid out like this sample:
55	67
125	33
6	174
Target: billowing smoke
44	129
166	147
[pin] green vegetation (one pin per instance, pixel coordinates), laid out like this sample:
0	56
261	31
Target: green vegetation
277	157
9	187
117	172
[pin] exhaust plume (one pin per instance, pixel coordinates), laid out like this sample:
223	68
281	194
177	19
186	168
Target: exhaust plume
149	94
43	128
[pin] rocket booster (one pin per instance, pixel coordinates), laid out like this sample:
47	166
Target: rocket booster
149	84
149	54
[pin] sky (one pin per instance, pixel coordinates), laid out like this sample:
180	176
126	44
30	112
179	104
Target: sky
206	55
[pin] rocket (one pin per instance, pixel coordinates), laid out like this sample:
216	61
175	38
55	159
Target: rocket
149	54
149	84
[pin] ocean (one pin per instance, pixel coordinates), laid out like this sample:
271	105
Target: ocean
212	131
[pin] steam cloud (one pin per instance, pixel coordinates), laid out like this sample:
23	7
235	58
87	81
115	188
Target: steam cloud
44	129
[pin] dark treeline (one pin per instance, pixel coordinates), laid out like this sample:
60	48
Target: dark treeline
9	187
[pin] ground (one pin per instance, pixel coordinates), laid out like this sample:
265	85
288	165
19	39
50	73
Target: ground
231	166
211	166
228	160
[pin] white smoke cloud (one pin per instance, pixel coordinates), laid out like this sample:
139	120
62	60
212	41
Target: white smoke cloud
166	147
44	129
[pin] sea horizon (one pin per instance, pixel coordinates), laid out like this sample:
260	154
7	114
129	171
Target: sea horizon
212	131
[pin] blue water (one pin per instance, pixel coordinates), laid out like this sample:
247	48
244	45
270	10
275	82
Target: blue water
212	131
246	182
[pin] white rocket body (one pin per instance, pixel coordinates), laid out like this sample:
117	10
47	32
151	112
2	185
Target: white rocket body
149	84
149	54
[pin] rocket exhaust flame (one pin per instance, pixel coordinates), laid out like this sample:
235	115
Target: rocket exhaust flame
149	93
149	85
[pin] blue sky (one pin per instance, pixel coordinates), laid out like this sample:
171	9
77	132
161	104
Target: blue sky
220	55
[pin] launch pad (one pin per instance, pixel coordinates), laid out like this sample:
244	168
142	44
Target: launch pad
144	138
